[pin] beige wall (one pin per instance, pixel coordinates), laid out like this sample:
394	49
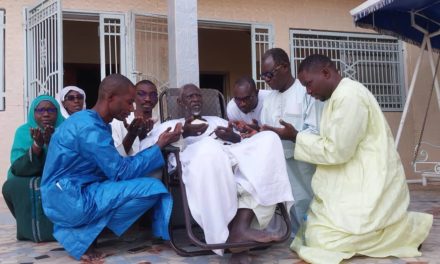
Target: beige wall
282	14
225	51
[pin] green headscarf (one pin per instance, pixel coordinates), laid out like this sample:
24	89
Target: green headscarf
23	140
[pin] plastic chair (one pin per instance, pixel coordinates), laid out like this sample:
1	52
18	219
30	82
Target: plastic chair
213	105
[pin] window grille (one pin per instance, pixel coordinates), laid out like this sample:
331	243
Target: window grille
261	42
44	56
112	44
151	49
374	60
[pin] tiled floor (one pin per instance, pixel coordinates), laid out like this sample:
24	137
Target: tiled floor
424	199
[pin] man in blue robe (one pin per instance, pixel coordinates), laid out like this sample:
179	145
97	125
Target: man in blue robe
88	186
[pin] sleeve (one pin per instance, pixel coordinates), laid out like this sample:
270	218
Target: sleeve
97	144
312	115
231	111
118	134
264	119
28	165
346	128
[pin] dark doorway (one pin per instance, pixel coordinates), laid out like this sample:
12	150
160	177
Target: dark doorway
81	57
214	81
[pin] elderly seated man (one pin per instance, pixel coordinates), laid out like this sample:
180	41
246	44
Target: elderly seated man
227	183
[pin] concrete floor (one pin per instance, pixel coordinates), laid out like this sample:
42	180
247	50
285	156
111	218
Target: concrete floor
423	199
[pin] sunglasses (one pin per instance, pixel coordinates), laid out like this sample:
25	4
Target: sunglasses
74	97
41	110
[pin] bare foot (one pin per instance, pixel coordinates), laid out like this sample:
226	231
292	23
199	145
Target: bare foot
93	256
240	258
249	234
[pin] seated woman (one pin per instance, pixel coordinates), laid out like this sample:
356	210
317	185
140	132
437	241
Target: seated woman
22	188
71	99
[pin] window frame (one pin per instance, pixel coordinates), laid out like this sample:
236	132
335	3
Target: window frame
374	60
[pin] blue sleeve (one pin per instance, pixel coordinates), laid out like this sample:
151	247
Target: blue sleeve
97	146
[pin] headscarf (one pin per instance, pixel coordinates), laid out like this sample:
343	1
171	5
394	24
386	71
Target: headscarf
23	140
62	94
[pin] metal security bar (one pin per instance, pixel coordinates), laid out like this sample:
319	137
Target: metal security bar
2	60
374	60
151	49
261	41
44	55
112	44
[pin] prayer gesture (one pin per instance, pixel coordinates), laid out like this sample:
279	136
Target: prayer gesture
192	130
146	128
287	132
169	136
227	133
37	136
47	134
246	130
136	127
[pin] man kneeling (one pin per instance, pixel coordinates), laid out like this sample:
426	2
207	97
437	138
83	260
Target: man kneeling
229	184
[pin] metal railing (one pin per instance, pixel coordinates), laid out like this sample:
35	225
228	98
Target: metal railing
374	60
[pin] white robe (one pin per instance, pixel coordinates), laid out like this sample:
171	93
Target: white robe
296	107
234	113
119	132
361	196
212	170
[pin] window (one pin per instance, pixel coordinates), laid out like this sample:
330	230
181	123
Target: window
374	60
2	60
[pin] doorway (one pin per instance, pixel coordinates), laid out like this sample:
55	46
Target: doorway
224	56
81	56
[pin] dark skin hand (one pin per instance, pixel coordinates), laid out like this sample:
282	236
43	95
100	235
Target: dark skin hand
47	134
190	130
242	126
287	132
137	127
227	133
168	136
37	136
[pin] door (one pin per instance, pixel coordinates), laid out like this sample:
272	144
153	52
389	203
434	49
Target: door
44	57
112	44
150	49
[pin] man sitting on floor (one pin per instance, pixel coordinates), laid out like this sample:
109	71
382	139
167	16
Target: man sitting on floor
229	184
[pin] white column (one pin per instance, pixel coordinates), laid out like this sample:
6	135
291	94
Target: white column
183	52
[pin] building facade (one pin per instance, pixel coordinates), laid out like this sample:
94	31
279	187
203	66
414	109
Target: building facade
50	44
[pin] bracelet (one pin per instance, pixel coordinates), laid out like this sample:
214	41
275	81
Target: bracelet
36	145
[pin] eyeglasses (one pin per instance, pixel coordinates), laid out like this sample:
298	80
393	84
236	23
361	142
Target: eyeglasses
143	95
270	74
74	97
244	99
41	110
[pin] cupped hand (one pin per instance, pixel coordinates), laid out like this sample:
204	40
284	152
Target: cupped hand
168	136
190	130
227	133
286	132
